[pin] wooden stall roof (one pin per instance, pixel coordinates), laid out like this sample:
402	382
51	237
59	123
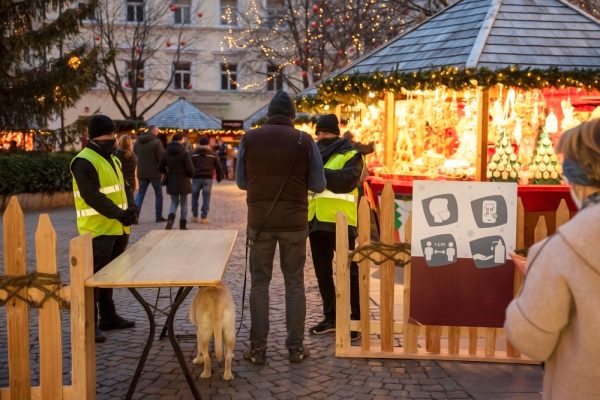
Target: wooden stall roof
182	114
493	34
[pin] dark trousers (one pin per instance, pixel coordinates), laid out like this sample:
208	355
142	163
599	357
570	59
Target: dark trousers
106	249
292	256
322	246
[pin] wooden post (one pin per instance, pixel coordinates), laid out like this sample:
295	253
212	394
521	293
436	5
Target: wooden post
390	130
411	331
364	271
342	285
512	351
50	336
15	264
483	99
82	319
387	270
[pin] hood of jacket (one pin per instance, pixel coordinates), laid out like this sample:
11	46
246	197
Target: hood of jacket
146	137
175	148
582	236
328	147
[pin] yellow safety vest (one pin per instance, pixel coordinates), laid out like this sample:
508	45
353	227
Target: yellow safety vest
112	185
326	204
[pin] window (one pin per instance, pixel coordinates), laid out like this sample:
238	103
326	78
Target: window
135	74
229	12
274	78
182	78
135	10
228	76
275	11
82	7
182	11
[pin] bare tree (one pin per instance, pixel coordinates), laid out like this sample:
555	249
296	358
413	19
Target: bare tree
309	39
139	43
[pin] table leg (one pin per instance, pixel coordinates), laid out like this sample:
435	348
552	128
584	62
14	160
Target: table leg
144	356
175	344
163	332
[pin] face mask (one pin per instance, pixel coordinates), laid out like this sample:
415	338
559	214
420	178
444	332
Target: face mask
576	199
105	146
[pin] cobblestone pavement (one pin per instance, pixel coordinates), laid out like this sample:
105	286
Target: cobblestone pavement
321	376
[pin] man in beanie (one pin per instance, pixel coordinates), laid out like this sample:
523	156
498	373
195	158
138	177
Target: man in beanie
149	150
104	209
277	165
343	168
206	163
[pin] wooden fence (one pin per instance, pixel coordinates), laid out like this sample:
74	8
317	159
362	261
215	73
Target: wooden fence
386	338
42	289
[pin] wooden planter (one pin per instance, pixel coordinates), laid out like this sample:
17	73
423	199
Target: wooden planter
38	201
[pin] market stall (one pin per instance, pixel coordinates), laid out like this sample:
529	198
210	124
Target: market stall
478	92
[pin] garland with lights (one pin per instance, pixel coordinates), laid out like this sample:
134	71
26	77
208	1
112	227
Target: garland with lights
357	87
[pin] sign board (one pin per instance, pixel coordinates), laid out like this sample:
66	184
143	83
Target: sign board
232	124
462	233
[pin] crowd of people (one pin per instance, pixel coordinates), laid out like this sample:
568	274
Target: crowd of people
294	187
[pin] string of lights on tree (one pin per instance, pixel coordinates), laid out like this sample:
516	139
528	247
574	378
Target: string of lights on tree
360	87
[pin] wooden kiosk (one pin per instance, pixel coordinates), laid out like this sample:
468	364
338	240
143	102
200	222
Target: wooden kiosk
491	70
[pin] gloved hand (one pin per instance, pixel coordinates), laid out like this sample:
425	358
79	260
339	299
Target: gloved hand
128	216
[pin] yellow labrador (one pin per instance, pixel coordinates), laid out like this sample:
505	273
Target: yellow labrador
213	312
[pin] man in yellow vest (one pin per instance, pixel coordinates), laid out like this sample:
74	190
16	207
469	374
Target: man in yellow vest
104	210
343	166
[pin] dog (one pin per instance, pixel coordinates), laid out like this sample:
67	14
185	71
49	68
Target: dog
213	313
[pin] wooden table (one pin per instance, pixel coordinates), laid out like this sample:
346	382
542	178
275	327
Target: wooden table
168	258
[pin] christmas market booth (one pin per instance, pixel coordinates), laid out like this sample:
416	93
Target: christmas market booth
480	91
464	110
182	116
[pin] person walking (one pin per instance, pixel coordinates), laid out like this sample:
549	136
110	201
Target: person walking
555	316
277	165
222	151
176	164
343	167
128	160
104	210
149	150
206	163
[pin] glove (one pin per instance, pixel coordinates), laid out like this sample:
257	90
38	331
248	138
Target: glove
128	216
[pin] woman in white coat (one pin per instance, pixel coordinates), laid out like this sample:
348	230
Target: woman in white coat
556	316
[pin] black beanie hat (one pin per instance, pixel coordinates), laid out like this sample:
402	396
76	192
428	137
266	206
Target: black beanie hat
203	141
99	125
282	104
328	123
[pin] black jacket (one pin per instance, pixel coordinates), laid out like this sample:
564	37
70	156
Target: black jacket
342	180
206	162
149	150
177	165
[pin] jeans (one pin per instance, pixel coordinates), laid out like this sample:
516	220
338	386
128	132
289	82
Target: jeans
204	186
292	256
175	200
322	247
157	186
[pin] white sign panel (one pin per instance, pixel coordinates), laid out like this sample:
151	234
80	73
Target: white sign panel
463	220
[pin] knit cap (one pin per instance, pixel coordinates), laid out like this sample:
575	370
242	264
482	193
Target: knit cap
99	125
328	123
282	104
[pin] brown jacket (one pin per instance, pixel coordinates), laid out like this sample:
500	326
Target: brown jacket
556	317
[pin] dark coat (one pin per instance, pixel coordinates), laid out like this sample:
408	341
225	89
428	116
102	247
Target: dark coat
177	165
128	166
205	163
149	150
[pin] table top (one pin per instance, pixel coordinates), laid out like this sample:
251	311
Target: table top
169	258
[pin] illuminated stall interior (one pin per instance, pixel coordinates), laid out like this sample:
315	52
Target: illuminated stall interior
480	91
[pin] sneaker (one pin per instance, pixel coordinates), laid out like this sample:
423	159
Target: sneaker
161	219
115	322
323	327
194	219
354	336
256	355
99	337
204	220
297	353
